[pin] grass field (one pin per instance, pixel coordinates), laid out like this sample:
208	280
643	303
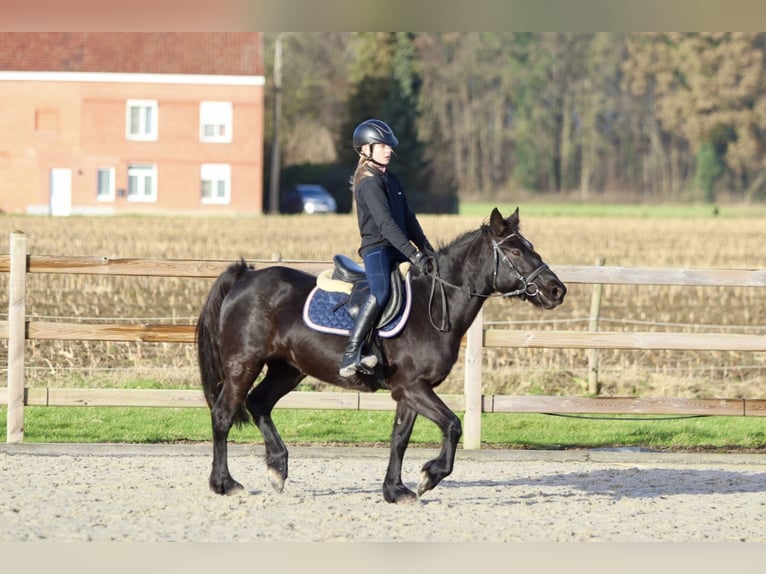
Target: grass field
653	236
373	428
612	210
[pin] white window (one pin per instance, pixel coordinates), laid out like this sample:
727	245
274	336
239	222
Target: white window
142	120
105	184
215	119
142	182
215	183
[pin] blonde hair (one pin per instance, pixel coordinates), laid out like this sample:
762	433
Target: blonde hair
363	169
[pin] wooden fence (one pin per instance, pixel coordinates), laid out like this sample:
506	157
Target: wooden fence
18	329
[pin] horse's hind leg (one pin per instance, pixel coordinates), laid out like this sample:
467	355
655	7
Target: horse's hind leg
280	379
223	414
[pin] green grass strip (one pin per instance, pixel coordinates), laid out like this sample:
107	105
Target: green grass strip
608	210
499	430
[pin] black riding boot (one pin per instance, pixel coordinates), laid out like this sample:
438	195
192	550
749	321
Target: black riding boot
365	321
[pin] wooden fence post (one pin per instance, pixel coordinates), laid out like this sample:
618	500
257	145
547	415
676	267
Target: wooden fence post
595	313
472	385
16	336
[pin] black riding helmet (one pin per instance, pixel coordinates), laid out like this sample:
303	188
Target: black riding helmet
372	132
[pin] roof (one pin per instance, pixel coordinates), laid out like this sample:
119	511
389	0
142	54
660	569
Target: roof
216	53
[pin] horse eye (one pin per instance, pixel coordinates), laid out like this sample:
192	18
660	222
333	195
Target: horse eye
516	252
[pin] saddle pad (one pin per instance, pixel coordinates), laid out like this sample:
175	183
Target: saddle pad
327	283
326	312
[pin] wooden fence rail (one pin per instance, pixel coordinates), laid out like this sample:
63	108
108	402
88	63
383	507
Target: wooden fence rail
18	329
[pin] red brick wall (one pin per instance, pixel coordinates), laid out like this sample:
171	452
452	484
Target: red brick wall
90	120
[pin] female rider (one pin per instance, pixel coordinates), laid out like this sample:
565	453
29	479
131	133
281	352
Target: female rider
390	233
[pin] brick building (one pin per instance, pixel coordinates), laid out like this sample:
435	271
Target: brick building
107	123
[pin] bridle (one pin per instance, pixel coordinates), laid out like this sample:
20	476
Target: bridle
528	287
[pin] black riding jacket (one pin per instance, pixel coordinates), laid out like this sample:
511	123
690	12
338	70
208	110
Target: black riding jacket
384	216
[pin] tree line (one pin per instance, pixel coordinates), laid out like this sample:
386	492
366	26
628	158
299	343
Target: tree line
509	116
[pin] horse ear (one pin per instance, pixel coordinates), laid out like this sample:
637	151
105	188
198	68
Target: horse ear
496	222
513	220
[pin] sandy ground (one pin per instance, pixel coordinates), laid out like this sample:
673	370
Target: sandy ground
159	493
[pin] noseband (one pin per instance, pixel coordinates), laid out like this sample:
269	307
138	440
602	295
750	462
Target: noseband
528	287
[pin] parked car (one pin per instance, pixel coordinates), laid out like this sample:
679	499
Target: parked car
308	198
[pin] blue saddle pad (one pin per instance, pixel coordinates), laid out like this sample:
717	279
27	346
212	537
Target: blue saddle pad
327	312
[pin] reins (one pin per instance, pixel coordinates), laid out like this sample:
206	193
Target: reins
445	326
528	289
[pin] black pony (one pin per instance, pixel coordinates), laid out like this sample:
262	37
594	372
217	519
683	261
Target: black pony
253	318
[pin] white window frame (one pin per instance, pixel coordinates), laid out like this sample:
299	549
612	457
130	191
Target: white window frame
148	128
108	193
144	190
218	175
218	117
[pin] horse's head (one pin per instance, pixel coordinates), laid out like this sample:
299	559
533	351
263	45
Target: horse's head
518	269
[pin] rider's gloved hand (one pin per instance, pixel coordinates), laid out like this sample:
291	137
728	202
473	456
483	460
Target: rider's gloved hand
422	262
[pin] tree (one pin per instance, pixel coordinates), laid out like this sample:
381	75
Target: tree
314	84
498	115
709	169
469	112
386	85
599	125
314	79
708	87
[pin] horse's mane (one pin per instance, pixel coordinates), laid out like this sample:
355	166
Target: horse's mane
468	237
464	238
454	253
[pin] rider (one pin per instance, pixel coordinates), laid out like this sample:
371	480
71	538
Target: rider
388	229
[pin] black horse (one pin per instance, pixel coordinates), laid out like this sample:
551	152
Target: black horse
253	318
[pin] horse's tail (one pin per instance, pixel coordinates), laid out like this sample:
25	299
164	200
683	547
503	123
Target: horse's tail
208	342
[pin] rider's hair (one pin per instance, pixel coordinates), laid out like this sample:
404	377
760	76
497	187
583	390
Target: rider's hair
364	168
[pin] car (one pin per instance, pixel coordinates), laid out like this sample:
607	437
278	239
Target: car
308	198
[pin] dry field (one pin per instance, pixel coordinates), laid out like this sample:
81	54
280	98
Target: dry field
710	242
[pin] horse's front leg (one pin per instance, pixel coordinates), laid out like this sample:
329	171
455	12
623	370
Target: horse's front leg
393	488
426	402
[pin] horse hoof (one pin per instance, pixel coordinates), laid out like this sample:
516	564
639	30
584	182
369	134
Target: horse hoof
276	479
227	487
425	483
235	490
400	495
409	498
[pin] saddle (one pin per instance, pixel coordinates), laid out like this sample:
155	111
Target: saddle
351	273
334	303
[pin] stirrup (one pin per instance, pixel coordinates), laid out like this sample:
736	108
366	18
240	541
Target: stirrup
355	368
369	361
362	365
